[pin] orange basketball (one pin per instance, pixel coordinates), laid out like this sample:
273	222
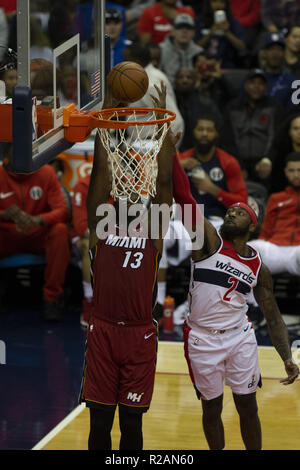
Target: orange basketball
128	82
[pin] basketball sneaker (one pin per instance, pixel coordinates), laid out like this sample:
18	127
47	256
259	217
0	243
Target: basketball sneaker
86	312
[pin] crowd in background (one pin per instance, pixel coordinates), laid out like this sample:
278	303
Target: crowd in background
232	70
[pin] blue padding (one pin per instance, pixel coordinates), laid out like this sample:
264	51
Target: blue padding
22	259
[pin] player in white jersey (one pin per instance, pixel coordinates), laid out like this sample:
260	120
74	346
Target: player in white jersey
220	343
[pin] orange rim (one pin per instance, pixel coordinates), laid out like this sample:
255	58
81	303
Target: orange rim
78	125
106	114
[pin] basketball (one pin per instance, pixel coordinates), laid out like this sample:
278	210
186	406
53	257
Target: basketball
128	82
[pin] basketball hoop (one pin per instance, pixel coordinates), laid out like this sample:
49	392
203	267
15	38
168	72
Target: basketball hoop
132	146
132	138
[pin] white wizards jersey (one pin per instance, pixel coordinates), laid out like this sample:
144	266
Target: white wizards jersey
219	287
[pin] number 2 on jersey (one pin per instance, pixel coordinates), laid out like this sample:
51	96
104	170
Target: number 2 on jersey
138	256
234	282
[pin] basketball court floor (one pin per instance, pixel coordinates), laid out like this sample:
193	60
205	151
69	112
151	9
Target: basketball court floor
40	383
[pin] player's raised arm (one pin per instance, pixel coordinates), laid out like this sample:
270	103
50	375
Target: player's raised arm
264	296
100	182
164	180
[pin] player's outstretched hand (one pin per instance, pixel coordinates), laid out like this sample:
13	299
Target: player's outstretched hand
159	101
292	371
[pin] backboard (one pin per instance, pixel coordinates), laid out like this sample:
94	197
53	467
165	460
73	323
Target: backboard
61	60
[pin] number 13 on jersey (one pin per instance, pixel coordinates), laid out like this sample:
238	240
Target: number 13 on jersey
133	260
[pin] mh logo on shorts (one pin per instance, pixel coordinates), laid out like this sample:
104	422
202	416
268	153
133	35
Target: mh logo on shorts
135	397
252	383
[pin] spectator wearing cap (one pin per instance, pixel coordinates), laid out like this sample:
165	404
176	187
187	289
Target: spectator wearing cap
113	29
250	124
278	79
221	37
291	60
277	14
156	21
279	239
178	49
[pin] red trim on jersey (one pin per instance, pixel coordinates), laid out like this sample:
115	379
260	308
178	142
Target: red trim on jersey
186	331
252	263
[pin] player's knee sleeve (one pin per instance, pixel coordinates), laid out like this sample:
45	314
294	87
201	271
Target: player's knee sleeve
101	421
131	428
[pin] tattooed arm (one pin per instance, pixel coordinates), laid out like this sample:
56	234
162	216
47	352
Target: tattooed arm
264	296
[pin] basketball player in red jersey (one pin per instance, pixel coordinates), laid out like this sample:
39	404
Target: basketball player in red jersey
220	343
121	344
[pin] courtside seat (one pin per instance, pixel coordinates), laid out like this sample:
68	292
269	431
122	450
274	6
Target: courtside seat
22	259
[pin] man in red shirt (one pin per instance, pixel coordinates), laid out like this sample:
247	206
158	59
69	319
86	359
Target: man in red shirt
215	176
33	216
279	238
156	22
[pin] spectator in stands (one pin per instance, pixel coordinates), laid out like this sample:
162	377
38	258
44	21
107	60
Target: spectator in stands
33	217
250	123
279	239
209	78
223	40
179	49
215	176
156	21
10	77
247	13
80	238
155	53
141	54
9	6
279	80
113	28
39	41
277	14
4	33
287	140
191	103
123	10
291	60
133	11
61	22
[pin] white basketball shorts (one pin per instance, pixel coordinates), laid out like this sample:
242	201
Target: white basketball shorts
215	358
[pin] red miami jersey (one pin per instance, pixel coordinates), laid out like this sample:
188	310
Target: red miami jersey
220	285
124	278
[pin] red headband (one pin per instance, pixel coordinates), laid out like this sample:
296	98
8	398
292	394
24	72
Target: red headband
247	208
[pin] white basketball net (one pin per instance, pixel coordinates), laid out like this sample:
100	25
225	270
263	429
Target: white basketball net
132	154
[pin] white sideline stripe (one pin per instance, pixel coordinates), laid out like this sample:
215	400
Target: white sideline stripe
59	427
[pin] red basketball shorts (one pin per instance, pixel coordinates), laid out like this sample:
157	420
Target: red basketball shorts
120	363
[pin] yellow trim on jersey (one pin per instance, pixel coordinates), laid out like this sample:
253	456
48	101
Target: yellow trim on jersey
156	270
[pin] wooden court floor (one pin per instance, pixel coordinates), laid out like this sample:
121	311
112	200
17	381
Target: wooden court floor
174	419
